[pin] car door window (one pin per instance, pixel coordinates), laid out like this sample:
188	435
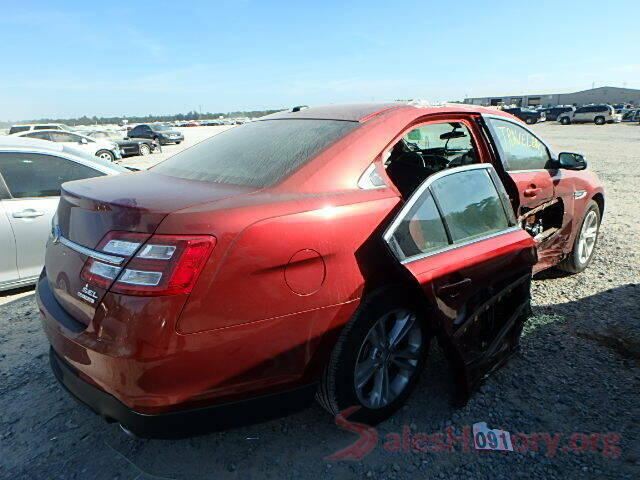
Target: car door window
421	230
64	137
39	135
35	175
470	205
453	208
519	149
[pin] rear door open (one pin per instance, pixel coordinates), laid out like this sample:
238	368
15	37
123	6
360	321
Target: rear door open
457	237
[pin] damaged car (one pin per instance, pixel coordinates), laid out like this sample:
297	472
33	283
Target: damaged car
314	252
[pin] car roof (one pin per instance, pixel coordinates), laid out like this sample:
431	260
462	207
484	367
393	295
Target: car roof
362	112
15	143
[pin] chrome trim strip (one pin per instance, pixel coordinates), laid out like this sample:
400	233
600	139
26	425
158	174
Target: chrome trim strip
453	246
90	253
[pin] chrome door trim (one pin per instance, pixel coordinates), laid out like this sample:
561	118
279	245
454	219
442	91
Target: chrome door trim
57	238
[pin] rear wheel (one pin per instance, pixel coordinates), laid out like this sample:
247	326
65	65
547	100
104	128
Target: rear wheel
145	149
585	243
565	121
377	360
106	155
599	121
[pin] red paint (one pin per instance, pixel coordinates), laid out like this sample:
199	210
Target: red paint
285	275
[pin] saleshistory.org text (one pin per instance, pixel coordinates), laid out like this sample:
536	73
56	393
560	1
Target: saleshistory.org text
461	439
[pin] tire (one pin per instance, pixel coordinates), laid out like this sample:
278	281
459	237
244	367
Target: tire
145	149
355	354
578	260
106	155
530	121
599	121
565	121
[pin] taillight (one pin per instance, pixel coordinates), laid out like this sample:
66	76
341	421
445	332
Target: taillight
163	265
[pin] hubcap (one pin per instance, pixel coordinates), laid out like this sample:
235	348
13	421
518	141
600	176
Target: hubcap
388	358
588	236
105	156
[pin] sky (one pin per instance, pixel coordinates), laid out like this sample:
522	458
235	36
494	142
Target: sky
111	58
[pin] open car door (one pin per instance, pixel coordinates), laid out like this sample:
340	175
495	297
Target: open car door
457	237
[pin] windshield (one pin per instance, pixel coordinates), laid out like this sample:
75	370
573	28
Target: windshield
255	154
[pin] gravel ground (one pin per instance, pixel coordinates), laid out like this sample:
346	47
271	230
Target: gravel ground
578	373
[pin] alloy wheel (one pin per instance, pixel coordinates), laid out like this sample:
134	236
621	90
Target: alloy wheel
588	237
388	358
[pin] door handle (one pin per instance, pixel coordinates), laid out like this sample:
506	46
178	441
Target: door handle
531	192
28	213
454	288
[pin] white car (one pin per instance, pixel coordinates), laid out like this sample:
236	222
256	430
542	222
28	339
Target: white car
31	172
105	149
39	126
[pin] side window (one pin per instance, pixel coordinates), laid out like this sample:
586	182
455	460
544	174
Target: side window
421	229
64	137
470	205
519	149
39	135
35	175
581	110
45	127
459	207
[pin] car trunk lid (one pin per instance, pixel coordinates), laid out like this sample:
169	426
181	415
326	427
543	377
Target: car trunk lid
89	209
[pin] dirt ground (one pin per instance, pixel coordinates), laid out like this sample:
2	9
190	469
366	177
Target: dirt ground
578	374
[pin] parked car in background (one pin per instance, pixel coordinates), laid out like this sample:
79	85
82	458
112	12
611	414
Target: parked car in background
400	223
552	113
598	114
128	147
105	149
528	116
632	115
31	172
39	126
163	134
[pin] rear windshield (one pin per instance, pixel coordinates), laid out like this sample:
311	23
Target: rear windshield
256	154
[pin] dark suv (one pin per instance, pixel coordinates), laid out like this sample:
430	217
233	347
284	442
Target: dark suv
163	134
552	113
528	116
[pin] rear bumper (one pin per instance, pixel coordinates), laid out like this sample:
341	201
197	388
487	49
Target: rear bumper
187	422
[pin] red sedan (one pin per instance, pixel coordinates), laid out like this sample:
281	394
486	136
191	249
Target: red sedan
318	250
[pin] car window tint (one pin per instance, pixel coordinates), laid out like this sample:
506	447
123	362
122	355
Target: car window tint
255	154
470	205
64	137
18	129
520	150
421	229
39	135
36	175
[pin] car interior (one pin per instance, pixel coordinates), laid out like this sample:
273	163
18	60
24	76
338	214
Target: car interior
427	150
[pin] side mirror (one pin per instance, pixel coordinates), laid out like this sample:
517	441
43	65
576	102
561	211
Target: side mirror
572	161
83	141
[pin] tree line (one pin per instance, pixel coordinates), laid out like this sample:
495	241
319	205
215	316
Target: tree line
193	115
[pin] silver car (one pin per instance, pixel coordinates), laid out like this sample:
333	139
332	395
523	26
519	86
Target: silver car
598	114
31	172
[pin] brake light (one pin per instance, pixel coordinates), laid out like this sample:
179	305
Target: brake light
165	265
160	265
